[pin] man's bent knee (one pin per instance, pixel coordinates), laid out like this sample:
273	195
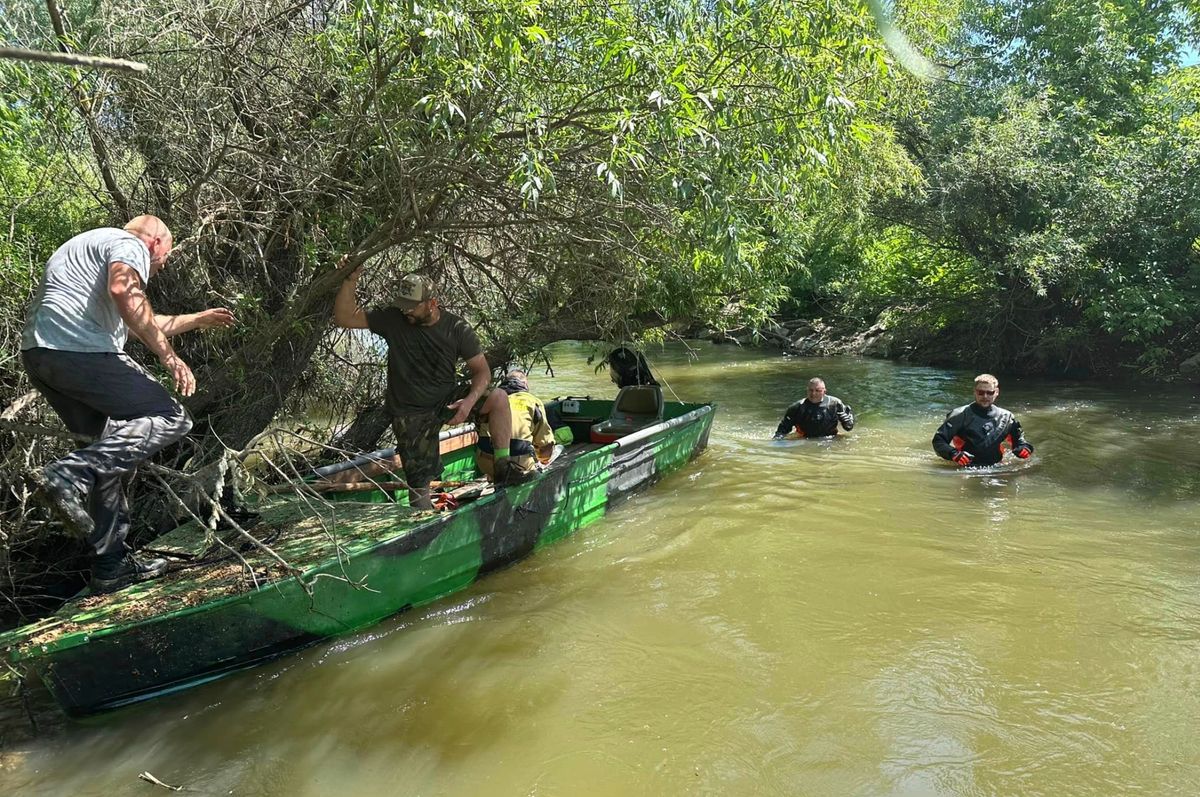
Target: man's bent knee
179	425
168	429
496	400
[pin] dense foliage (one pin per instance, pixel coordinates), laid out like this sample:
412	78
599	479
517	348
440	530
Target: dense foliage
563	170
1055	222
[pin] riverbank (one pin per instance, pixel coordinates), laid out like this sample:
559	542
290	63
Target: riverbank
889	337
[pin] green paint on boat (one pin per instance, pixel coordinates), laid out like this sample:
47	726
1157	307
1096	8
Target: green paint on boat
362	557
586	496
362	590
671	448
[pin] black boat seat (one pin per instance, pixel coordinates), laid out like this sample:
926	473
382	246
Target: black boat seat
635	408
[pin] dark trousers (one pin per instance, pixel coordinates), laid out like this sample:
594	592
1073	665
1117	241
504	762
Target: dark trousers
109	397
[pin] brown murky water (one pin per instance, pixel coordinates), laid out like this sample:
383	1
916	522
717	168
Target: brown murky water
850	617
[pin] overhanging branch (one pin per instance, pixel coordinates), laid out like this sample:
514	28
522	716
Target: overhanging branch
72	59
89	118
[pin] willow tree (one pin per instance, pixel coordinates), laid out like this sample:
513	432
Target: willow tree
564	171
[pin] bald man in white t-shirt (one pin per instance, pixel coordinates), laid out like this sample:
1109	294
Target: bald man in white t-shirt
73	349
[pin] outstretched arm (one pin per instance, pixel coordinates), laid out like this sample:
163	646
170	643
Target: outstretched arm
125	288
206	319
346	312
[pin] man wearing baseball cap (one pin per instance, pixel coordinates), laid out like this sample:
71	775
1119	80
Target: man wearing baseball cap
424	344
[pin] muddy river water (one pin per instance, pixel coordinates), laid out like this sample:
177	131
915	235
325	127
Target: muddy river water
845	617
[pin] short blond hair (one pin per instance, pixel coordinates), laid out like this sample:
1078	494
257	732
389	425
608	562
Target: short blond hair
816	380
987	379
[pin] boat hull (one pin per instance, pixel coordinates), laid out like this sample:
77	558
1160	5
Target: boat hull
117	666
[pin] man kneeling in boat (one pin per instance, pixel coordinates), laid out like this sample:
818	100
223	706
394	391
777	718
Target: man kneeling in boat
816	415
424	345
532	437
979	433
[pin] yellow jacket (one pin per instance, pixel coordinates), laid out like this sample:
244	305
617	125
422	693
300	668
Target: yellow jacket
529	424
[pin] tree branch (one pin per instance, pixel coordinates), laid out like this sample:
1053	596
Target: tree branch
72	59
103	159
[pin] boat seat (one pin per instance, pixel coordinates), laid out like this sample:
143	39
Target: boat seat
635	408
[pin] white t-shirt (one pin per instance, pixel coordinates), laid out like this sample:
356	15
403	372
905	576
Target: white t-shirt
72	310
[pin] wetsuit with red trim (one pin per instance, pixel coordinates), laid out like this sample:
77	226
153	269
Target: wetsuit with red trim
816	420
973	435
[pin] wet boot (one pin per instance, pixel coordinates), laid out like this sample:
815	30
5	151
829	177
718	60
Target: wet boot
508	474
110	574
65	500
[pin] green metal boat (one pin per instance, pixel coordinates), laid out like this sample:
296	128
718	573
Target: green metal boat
361	558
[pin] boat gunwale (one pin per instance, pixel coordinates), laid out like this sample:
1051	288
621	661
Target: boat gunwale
27	651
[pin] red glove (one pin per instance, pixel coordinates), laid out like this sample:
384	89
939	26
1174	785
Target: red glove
963	458
1023	452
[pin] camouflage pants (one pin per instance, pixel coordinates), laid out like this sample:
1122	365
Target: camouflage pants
417	437
487	464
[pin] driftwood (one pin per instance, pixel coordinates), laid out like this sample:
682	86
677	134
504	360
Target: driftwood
15	409
149	778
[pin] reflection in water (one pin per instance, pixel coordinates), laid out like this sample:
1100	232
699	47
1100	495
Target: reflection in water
849	616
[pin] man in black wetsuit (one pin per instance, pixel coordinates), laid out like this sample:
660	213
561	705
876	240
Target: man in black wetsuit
818	415
977	434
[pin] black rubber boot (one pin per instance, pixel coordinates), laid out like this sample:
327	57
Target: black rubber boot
110	576
66	501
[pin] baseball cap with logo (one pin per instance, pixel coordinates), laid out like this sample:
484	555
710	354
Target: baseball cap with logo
414	289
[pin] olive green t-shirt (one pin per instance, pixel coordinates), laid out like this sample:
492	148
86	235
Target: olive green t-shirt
422	361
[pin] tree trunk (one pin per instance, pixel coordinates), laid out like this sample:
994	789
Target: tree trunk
244	394
365	430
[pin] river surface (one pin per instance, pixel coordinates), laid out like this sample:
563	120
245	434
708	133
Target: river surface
847	617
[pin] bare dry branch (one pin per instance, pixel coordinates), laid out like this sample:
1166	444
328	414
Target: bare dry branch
72	59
